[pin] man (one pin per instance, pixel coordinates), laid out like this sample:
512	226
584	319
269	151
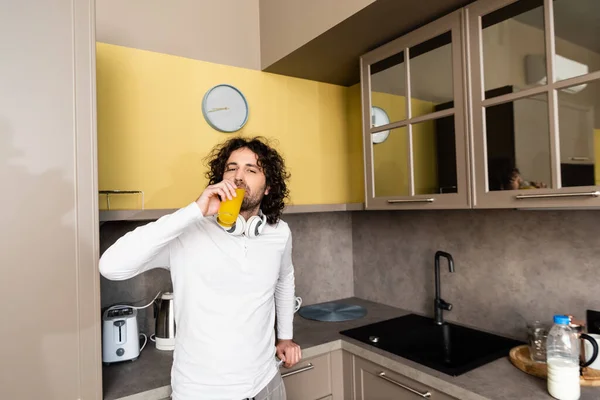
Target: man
512	180
227	288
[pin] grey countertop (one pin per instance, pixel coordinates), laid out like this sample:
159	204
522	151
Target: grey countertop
151	370
498	380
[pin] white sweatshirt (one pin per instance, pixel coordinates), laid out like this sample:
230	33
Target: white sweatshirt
225	291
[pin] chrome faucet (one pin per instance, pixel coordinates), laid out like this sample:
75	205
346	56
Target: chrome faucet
439	303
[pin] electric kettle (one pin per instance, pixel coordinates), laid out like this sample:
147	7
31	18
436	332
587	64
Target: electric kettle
164	312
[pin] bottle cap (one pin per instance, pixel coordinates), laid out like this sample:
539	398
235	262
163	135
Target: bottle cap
561	320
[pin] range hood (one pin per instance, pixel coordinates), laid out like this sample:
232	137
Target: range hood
535	71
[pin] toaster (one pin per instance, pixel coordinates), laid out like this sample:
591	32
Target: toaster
120	335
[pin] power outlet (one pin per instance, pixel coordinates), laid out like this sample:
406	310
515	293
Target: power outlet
593	321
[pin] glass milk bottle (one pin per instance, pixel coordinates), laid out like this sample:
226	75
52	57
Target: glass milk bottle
562	352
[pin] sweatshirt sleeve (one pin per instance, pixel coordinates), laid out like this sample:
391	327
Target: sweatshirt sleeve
285	293
147	246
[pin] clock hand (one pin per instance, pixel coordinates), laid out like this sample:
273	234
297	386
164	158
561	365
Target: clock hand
218	109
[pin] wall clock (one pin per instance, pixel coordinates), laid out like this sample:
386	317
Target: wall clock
225	108
379	117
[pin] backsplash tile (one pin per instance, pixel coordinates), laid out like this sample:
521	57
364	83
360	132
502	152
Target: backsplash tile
139	290
511	266
322	256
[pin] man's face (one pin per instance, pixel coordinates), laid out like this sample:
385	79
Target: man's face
516	181
242	168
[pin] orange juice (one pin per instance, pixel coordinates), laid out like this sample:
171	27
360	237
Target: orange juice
229	209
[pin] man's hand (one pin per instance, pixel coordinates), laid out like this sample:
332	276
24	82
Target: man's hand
288	352
209	200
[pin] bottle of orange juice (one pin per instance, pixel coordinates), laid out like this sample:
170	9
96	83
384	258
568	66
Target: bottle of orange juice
230	209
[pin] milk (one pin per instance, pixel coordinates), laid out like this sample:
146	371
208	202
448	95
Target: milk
563	379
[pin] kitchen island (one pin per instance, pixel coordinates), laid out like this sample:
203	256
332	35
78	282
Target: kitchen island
148	378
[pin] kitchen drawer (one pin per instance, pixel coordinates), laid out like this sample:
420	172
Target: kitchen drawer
310	379
371	385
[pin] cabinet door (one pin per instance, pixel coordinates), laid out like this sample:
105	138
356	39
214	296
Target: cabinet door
414	120
545	157
376	383
310	379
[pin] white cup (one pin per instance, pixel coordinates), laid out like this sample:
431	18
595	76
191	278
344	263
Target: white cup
589	351
298	303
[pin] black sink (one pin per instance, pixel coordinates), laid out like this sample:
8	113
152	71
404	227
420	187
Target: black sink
451	349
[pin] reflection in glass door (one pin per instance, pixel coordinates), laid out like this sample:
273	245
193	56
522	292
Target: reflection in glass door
419	157
391	164
579	130
518	144
388	87
535	69
511	37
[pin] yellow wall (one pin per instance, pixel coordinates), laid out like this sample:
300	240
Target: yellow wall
597	155
152	135
391	156
356	174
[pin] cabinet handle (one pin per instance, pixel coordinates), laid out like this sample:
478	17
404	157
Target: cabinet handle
579	158
557	195
383	376
429	200
297	371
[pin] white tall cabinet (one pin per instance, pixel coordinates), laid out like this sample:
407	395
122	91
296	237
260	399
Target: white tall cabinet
49	284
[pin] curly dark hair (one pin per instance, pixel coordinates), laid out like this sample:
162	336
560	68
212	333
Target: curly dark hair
271	162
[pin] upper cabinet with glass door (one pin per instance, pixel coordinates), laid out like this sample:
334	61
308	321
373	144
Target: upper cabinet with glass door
535	70
414	138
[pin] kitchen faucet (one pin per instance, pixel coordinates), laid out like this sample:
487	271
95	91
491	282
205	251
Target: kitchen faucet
439	304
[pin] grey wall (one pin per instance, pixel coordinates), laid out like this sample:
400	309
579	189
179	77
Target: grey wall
139	290
511	266
322	256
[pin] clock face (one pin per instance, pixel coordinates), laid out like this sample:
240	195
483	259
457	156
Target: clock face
379	117
225	108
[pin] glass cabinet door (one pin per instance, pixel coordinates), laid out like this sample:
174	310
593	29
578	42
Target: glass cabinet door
535	70
414	133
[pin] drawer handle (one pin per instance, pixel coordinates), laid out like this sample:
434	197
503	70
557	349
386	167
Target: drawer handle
383	376
579	158
557	195
297	371
429	200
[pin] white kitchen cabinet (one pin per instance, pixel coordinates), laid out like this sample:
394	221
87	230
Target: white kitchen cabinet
374	382
544	125
414	120
49	225
310	379
316	378
530	90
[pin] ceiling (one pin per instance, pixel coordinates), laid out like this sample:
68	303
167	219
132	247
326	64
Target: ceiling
333	56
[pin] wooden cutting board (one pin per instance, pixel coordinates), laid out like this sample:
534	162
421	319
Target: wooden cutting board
519	357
